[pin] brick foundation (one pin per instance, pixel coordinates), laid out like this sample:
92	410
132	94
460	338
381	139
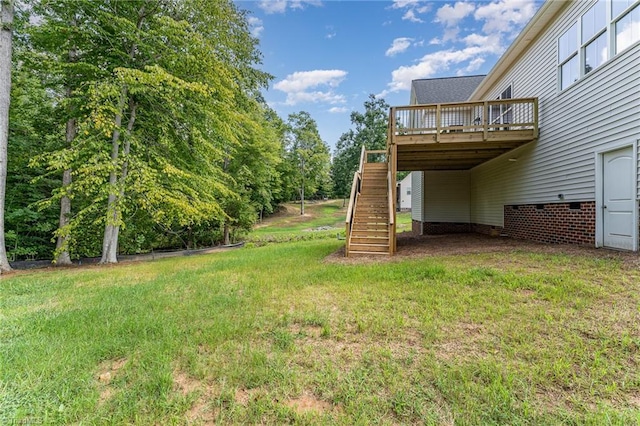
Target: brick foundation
557	223
416	227
437	228
494	231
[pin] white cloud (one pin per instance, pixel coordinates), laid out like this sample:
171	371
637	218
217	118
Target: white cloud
503	15
302	80
410	15
328	97
401	4
414	8
256	26
300	86
338	110
469	46
436	62
451	15
474	65
399	45
280	6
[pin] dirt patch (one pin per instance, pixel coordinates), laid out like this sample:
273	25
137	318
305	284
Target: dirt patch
184	384
312	331
464	341
200	411
308	403
244	396
107	370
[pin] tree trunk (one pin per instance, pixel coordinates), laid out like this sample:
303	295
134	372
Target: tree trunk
6	29
114	210
62	250
110	240
302	190
227	240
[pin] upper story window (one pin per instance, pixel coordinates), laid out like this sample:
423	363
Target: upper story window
628	29
594	37
619	6
568	56
604	30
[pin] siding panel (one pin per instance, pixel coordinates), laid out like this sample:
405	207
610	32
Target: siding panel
446	196
601	108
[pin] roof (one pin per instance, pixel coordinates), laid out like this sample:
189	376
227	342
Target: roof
443	90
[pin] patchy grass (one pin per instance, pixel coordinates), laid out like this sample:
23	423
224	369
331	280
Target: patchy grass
322	220
277	334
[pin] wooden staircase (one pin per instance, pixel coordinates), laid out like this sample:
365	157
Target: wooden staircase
370	228
370	222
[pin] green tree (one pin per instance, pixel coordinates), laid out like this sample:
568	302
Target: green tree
369	130
31	118
307	154
178	81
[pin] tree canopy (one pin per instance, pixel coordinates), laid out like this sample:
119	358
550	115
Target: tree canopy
369	130
151	129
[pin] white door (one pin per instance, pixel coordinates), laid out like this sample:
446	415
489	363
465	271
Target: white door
618	199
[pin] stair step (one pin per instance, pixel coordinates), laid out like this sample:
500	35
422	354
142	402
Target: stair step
367	253
370	240
372	209
368	217
364	231
369	247
379	216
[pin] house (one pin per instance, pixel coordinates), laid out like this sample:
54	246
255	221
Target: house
403	196
545	147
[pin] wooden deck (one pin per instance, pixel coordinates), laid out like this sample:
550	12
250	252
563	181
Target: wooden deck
459	136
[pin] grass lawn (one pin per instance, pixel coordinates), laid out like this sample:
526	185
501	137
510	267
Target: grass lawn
322	220
277	334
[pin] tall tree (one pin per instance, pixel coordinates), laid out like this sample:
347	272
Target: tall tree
369	130
6	38
308	155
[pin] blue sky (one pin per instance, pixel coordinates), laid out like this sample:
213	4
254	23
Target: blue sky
327	56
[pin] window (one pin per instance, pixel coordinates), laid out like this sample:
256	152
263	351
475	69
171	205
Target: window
595	53
619	6
503	113
594	21
568	57
408	191
628	30
607	28
594	37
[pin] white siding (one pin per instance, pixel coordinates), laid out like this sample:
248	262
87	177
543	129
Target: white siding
600	109
416	196
405	192
446	196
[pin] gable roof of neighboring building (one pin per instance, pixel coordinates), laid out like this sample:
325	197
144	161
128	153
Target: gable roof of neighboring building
443	90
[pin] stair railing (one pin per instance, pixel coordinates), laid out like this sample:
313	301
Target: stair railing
355	192
392	213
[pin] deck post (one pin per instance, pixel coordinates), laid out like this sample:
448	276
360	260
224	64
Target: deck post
438	121
485	124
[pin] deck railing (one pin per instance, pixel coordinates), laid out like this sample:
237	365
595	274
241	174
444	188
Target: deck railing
484	116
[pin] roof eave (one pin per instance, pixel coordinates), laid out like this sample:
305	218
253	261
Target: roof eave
527	36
